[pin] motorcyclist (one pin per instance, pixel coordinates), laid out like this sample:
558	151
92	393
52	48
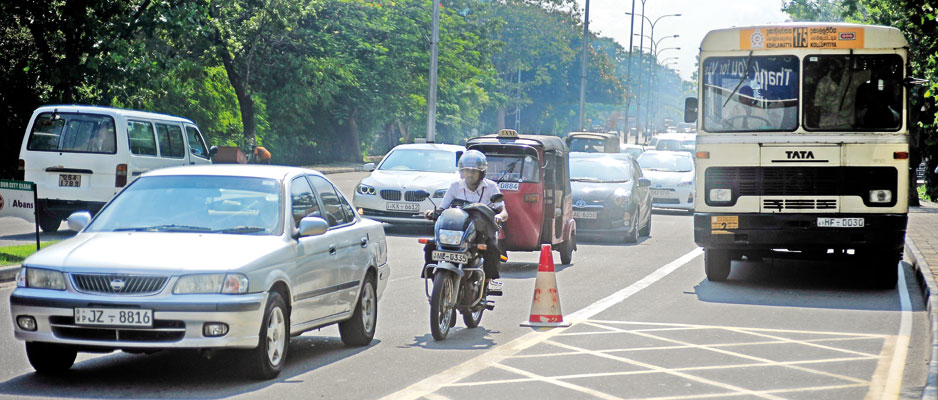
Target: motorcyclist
474	188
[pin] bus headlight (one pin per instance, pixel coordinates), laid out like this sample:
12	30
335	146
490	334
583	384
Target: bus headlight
880	196
721	195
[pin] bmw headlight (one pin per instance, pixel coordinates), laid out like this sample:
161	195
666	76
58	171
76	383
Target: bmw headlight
211	283
450	237
439	194
38	278
365	189
721	195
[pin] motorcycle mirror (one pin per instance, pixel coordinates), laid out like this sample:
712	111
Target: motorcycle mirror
422	195
496	198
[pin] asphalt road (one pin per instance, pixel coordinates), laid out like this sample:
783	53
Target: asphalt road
647	324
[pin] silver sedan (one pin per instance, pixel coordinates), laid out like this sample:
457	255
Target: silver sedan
205	257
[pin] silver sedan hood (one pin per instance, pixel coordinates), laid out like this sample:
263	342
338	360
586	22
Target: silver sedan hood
410	180
173	252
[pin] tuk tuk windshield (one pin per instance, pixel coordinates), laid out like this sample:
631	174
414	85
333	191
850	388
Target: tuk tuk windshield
512	168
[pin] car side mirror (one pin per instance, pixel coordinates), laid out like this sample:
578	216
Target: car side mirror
690	109
79	220
644	182
369	167
421	195
497	198
313	226
212	151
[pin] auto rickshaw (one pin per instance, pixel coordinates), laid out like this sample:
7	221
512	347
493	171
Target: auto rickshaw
590	142
533	173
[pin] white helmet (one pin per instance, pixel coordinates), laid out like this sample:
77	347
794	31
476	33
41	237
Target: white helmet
473	160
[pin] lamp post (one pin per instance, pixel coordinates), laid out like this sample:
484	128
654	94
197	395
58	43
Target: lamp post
628	96
641	40
586	33
434	49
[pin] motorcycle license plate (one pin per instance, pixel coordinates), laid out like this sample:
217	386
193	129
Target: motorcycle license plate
458	258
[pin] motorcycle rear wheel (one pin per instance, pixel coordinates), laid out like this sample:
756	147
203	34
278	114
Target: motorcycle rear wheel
442	303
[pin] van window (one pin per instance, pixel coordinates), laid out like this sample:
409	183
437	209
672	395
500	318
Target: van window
196	145
77	133
170	138
141	139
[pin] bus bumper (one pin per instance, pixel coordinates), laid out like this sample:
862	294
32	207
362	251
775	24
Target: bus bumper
798	232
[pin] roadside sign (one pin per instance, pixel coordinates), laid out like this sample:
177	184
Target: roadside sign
18	199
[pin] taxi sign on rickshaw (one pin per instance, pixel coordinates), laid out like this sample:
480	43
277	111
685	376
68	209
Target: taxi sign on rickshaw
508	133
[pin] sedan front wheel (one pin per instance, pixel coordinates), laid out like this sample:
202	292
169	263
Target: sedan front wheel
267	360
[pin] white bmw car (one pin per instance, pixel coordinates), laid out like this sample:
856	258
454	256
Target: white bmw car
672	178
389	193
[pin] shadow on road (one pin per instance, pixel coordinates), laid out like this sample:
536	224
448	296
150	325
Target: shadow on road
788	283
176	374
463	338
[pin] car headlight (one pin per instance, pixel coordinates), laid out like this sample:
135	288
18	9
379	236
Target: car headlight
211	283
365	189
721	195
686	184
439	194
38	278
450	237
880	196
619	199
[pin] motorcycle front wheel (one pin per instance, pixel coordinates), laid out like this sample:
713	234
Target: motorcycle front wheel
442	302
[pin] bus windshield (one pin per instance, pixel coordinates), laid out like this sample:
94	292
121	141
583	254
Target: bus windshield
853	92
747	94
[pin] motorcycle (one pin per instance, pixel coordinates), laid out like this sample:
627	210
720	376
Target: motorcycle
458	278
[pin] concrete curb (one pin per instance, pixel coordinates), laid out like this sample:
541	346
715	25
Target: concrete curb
8	273
930	293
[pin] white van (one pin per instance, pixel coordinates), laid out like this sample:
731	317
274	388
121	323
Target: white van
81	156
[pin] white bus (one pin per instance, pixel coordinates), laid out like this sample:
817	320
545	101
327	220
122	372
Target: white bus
802	146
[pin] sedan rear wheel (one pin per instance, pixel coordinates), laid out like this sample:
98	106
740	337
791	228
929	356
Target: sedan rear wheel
360	329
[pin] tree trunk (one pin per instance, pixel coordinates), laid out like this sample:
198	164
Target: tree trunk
404	134
500	119
353	146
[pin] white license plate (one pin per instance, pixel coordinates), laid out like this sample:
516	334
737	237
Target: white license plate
69	180
509	186
458	258
840	222
662	193
403	207
114	317
586	214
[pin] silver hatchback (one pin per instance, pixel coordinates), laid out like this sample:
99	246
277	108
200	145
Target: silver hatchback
205	257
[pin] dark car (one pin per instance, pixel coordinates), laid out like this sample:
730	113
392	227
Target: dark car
589	142
611	198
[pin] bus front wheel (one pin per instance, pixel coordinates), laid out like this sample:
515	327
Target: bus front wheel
717	264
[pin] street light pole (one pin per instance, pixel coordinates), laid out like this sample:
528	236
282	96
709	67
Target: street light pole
652	23
628	95
641	85
586	32
434	50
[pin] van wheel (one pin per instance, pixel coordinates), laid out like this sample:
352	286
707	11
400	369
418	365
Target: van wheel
360	329
717	264
48	358
267	360
49	222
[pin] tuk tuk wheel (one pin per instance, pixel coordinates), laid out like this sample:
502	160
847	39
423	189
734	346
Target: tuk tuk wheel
566	249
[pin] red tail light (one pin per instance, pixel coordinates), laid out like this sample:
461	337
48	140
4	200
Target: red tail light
900	155
423	240
120	175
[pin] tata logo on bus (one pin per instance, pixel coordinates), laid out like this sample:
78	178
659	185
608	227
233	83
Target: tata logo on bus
799	155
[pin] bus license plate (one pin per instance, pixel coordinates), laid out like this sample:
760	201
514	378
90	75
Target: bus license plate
69	180
114	317
586	214
403	207
458	258
840	222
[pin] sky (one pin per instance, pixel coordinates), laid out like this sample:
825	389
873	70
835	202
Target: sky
608	18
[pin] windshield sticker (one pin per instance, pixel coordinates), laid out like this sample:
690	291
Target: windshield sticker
815	37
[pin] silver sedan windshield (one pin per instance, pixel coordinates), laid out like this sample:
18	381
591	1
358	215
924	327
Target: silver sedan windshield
204	204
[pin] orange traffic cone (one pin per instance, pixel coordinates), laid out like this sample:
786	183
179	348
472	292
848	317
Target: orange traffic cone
545	308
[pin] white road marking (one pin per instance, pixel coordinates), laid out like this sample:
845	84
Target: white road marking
499	353
893	385
558	382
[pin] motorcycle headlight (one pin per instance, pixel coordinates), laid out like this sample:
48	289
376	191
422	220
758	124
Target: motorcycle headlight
38	278
211	283
439	194
450	237
365	189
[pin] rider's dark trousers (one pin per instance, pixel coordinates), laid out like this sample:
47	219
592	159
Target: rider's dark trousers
491	257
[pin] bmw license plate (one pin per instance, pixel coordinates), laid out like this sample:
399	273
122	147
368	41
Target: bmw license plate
458	258
586	214
823	222
69	180
132	317
403	207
